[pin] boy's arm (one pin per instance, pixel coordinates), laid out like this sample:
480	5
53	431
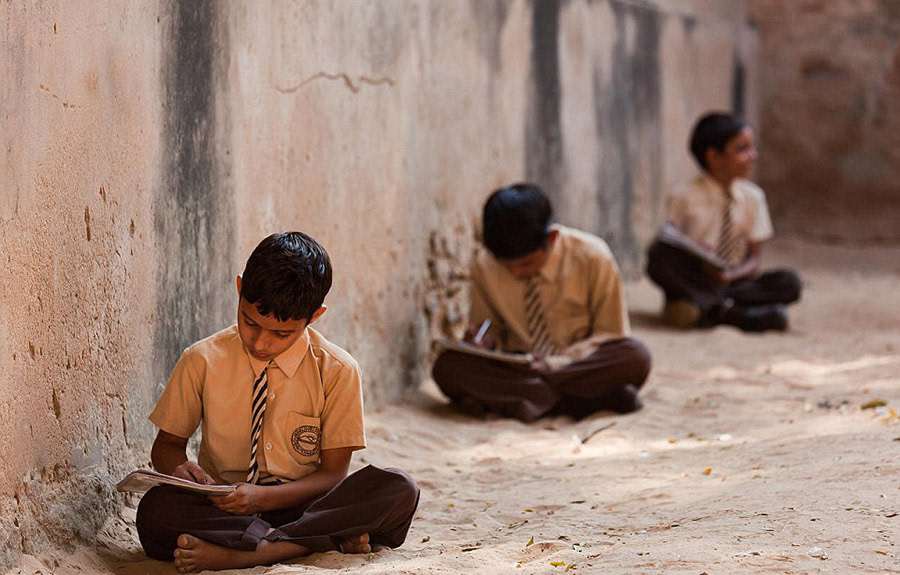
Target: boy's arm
169	456
249	498
609	315
746	269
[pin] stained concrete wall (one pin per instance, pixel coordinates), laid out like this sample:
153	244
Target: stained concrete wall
830	150
147	147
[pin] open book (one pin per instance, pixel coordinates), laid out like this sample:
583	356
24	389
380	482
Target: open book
672	236
143	479
466	347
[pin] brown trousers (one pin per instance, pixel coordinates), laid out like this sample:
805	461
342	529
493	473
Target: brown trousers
579	389
380	502
682	276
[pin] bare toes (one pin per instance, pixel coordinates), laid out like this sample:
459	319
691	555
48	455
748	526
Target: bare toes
186	541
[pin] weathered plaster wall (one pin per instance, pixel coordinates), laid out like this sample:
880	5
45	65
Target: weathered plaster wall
830	131
148	146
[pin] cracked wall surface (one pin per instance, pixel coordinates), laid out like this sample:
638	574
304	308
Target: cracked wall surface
147	147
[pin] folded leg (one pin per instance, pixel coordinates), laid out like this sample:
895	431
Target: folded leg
498	386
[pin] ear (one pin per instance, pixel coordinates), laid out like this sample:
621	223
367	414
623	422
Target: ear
238	283
551	237
712	156
317	314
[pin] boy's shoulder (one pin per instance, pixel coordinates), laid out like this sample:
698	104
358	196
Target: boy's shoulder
580	240
697	188
323	349
748	188
221	343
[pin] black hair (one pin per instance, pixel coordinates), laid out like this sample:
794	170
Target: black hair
287	276
713	130
516	221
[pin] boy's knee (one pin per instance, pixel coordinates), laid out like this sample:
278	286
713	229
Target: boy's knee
156	541
405	488
640	360
794	285
446	372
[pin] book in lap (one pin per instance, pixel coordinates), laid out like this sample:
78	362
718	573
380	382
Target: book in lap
672	236
143	479
466	347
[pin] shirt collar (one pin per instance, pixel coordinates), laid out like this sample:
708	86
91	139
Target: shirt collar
551	268
287	361
713	183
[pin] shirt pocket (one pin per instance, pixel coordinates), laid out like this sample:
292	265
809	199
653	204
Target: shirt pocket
302	435
574	329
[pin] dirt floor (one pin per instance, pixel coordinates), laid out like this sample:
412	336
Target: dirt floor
753	454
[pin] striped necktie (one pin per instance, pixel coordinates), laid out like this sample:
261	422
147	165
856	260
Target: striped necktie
537	326
258	409
729	242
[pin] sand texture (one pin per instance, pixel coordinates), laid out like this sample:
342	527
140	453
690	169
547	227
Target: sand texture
753	454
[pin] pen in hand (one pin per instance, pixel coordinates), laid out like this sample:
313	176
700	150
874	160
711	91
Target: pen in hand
481	331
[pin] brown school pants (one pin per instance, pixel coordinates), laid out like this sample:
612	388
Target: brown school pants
682	277
578	389
380	502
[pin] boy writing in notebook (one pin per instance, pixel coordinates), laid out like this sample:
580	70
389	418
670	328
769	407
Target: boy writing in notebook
280	409
554	292
725	214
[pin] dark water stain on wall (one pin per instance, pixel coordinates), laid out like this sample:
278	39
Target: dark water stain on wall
490	17
194	212
738	86
544	159
628	119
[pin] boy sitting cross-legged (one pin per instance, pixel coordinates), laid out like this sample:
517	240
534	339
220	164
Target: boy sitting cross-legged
280	409
724	216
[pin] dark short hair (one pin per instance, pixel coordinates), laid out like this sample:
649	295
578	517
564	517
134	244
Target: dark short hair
713	130
516	221
287	276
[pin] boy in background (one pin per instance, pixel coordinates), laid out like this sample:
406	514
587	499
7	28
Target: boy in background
554	292
280	408
725	218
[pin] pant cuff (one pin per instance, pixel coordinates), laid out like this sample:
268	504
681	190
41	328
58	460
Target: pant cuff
255	533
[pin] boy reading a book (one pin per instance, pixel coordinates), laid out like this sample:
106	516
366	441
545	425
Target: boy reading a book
724	215
554	292
280	409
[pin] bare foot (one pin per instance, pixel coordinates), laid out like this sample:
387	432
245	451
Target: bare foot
195	554
358	544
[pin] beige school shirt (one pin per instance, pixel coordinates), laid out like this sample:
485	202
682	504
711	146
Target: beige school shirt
696	210
314	403
579	289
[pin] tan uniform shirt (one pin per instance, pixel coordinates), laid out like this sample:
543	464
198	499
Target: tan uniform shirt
696	210
579	289
314	403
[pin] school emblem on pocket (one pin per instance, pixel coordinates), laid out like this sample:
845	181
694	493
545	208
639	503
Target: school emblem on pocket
305	440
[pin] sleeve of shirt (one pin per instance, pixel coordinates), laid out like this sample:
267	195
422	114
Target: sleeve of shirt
762	229
609	316
676	210
180	407
342	418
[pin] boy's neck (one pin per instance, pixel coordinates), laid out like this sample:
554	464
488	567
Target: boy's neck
724	182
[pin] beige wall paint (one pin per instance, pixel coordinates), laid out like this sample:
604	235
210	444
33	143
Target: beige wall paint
147	147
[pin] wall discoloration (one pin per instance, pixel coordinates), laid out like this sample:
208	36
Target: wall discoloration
628	122
544	135
147	150
193	210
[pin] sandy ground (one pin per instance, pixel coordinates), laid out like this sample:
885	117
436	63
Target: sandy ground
753	454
